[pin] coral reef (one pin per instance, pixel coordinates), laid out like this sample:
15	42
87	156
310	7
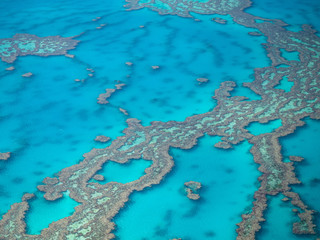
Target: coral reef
192	189
183	8
28	74
155	67
10	68
102	139
98	177
229	119
202	80
102	99
125	112
219	20
5	156
28	44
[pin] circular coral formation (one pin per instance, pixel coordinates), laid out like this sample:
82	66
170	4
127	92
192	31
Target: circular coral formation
192	189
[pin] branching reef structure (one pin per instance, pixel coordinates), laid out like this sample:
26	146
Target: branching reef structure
99	203
23	44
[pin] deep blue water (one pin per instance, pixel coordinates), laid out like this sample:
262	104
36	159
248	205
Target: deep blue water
48	121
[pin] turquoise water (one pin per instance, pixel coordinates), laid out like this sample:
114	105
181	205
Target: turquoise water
49	121
123	173
279	219
279	216
284	84
305	143
293	12
43	212
257	128
290	56
228	177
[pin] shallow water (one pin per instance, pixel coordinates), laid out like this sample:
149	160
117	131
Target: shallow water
48	121
228	177
257	128
279	219
284	84
43	212
293	12
279	216
123	173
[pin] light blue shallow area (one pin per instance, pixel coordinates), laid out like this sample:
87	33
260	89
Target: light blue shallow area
279	216
257	128
43	212
229	179
290	56
284	84
279	220
123	173
183	55
305	143
293	12
48	121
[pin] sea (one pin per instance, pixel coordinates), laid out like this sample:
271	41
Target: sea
48	121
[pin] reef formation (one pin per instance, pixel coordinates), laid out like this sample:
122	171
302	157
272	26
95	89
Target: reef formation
99	203
102	99
102	139
5	156
192	189
28	44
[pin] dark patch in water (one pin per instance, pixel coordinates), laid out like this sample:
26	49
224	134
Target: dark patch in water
17	180
210	234
168	216
133	99
194	166
315	182
167	80
4	193
190	94
249	198
154	100
224	34
38	173
161	231
229	170
83	115
146	115
192	211
75	142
